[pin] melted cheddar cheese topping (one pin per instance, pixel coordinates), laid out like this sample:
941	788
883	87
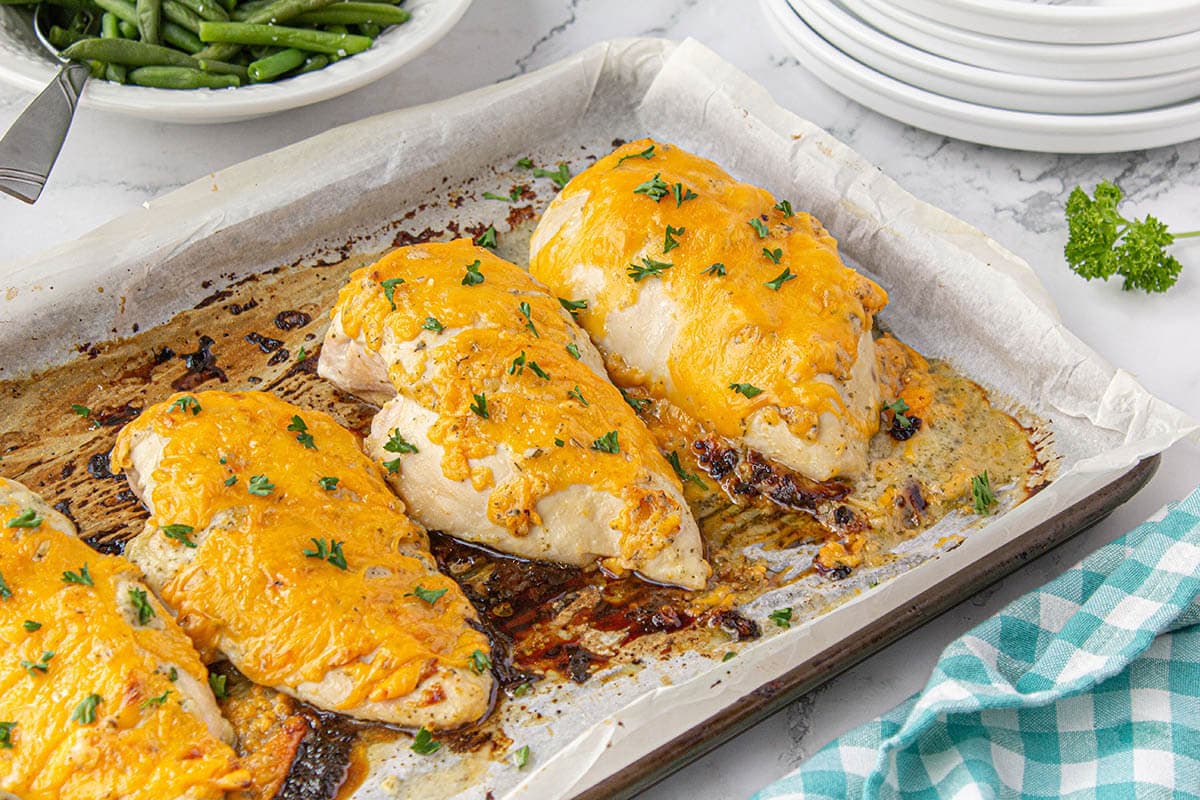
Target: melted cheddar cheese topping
506	338
293	617
143	742
760	296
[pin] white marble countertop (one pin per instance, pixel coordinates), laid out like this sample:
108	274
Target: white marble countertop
112	164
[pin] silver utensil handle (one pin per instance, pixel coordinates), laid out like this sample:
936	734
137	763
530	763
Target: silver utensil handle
28	150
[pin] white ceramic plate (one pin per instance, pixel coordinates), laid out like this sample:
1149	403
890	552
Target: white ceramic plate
1053	133
25	64
989	87
1071	23
1069	61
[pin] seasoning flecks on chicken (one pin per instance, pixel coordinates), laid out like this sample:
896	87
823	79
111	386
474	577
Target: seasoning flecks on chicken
712	295
499	424
277	544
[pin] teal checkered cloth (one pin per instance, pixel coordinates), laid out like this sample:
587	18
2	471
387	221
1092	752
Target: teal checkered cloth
1086	688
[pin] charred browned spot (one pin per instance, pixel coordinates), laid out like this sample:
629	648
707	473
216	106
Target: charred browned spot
740	628
264	343
238	308
290	320
280	357
406	238
201	367
98	466
115	416
748	474
519	215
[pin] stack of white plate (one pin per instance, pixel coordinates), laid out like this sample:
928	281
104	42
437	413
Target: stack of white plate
1063	76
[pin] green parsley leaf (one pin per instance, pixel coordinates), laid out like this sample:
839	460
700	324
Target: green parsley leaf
774	255
517	367
559	442
85	712
607	443
398	444
728	655
83	577
526	312
392	466
578	395
184	403
573	349
6	729
522	689
141	604
716	269
430	596
431	324
336	556
26	519
42	666
525	163
82	411
5	592
779	280
217	684
179	533
260	485
487	238
655	188
898	407
480	662
31	626
301	354
328	483
536	370
389	289
480	405
172	675
154	701
649	269
746	390
319	551
673	460
574	306
424	744
785	207
981	493
682	194
647	154
669	241
513	196
473	277
559	176
759	227
231	480
301	429
636	403
521	757
781	617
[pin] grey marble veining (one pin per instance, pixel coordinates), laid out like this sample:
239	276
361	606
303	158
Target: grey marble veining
112	164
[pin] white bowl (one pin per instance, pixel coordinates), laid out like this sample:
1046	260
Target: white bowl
1069	23
990	87
1052	133
1070	61
23	63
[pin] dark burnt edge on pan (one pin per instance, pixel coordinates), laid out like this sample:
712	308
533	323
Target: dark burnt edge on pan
748	474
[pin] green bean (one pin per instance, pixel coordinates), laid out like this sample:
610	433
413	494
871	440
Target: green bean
224	68
121	9
127	51
62	38
369	29
181	37
244	10
276	64
128	29
115	73
301	38
181	15
313	63
110	28
228	5
354	13
181	78
207	9
275	12
149	20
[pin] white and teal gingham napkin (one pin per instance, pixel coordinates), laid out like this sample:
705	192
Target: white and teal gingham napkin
1086	688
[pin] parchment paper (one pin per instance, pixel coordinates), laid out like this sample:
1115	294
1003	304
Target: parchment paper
955	294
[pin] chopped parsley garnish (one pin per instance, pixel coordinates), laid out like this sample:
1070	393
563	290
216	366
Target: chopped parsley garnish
180	533
184	403
636	403
785	207
746	390
85	712
647	154
607	443
521	757
716	269
31	626
260	485
649	269
154	701
525	163
574	306
172	674
328	483
527	312
981	493
423	742
517	366
430	596
301	430
774	255
673	460
141	604
522	689
728	655
26	519
6	729
473	277
559	176
5	592
513	196
481	662
231	480
480	405
780	279
398	444
331	552
83	577
82	411
301	354
578	395
217	684
536	370
42	666
682	194
389	289
559	442
487	238
759	227
432	324
898	407
654	188
392	466
669	240
781	617
573	349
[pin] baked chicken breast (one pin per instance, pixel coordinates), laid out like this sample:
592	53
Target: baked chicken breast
725	302
499	425
276	543
101	693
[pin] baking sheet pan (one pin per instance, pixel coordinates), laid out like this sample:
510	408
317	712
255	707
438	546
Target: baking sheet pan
955	295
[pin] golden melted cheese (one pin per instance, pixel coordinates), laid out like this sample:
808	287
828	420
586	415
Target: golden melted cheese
291	617
732	328
135	748
485	332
